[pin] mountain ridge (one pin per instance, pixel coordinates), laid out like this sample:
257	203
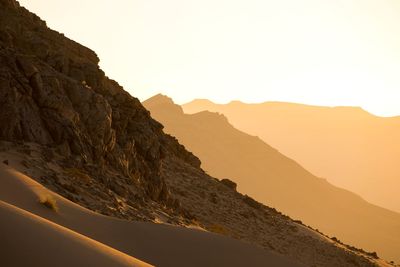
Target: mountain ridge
74	130
281	182
207	102
351	148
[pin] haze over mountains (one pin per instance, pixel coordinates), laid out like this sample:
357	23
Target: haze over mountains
276	180
115	190
348	146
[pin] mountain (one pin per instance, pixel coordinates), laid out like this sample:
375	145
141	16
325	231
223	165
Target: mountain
348	146
276	180
66	125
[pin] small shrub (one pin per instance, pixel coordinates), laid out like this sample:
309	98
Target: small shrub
49	202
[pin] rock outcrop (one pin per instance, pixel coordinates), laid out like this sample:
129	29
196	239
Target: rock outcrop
54	94
78	132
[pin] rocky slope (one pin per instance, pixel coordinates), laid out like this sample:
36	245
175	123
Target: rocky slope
70	127
277	181
54	94
350	147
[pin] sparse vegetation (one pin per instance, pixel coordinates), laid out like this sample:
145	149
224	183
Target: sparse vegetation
49	201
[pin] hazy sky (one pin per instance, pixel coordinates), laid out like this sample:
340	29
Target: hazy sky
325	52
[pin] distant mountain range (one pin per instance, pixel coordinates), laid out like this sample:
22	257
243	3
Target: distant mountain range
276	180
115	189
348	146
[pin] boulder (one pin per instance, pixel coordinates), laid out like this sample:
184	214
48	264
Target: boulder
229	183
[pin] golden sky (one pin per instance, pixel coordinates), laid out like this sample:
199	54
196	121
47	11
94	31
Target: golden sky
323	52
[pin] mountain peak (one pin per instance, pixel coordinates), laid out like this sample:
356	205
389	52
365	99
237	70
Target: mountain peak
200	101
212	117
160	99
236	102
163	102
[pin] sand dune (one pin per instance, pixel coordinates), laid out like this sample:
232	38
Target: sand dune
29	240
73	226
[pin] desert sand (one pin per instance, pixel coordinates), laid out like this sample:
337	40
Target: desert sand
29	240
34	235
65	124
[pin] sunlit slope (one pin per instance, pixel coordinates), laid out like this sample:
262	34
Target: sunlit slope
263	172
346	145
29	240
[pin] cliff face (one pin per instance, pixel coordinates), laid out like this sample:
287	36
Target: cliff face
67	125
54	94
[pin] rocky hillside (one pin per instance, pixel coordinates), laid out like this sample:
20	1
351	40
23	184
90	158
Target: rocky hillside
54	94
278	181
70	127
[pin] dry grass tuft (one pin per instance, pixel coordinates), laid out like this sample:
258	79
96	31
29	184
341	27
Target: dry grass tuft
49	201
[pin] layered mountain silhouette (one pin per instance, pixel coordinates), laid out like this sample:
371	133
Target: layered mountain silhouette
89	178
65	124
278	181
347	145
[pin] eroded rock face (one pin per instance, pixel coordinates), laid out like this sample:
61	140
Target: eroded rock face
53	93
67	125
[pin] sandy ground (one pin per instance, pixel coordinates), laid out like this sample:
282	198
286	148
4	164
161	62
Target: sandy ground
34	235
29	240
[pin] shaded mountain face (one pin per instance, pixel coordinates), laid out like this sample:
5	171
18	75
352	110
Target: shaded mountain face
54	94
274	179
346	145
68	126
